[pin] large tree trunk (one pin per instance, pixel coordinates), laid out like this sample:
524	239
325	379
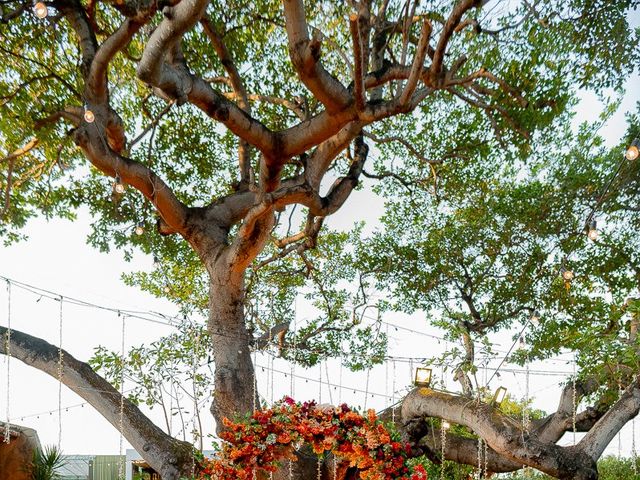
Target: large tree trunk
234	370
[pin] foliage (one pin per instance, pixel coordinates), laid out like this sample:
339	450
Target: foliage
609	468
46	463
269	436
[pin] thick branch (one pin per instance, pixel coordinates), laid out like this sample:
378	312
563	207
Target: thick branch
305	56
501	433
133	173
171	457
605	429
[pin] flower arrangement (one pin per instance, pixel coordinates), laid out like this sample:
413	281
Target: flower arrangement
272	435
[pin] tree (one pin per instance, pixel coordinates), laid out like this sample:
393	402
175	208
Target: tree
223	115
486	255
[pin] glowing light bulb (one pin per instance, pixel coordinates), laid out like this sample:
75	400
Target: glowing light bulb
521	345
89	117
535	317
567	274
633	150
156	262
592	232
139	228
118	186
41	10
445	425
166	289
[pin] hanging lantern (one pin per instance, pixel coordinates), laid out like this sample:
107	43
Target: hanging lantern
41	10
633	150
592	231
499	396
423	377
156	262
521	344
139	230
167	289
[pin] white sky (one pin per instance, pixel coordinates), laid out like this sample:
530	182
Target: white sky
56	258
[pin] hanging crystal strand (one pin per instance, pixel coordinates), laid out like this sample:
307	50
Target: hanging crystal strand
479	458
443	444
386	375
335	467
60	365
575	406
393	392
290	469
195	432
486	459
634	453
320	383
619	431
319	477
366	389
525	410
340	382
326	376
272	382
7	427
293	360
255	381
122	360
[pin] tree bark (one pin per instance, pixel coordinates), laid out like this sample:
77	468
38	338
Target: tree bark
234	371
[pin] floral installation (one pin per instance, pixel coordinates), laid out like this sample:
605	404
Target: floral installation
269	436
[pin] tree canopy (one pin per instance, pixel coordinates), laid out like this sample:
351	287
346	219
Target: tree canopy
219	137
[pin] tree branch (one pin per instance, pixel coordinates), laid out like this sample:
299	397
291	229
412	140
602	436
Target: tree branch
168	456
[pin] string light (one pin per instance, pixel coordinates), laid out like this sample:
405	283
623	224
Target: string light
592	231
535	317
88	116
118	186
567	274
139	230
41	10
633	150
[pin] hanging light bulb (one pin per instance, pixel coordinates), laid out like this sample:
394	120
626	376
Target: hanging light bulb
521	344
40	9
156	262
139	230
423	377
89	117
166	289
633	150
592	231
499	396
567	274
118	186
535	317
445	425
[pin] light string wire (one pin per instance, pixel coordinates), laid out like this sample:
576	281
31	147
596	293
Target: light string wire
7	428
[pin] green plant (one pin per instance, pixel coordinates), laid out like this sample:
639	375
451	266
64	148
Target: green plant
46	463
